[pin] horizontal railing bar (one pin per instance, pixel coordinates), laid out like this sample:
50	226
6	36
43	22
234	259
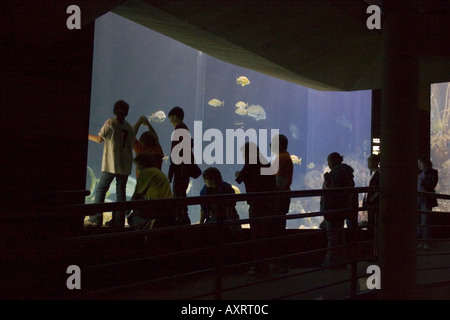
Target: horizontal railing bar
21	194
197	200
135	233
442	196
433	212
433	226
431	254
93	208
433	268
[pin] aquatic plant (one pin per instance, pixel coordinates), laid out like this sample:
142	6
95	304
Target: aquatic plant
440	138
440	115
93	183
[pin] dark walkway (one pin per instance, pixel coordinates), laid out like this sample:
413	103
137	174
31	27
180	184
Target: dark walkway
239	285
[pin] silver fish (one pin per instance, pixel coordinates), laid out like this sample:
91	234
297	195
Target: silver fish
158	116
257	112
294	131
342	120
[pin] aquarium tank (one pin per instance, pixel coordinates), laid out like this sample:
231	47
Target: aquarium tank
154	73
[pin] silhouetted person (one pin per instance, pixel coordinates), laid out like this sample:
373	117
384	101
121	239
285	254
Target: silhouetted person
254	181
340	176
426	182
371	200
180	173
118	138
283	179
151	183
214	185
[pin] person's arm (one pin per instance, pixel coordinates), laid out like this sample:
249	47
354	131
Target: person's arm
241	175
95	138
141	120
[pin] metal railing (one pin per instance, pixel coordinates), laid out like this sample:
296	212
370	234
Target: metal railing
220	247
165	265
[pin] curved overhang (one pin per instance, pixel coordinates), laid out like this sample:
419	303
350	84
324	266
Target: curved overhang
321	44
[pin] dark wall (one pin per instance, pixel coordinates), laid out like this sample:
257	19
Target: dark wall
46	114
43	140
423	126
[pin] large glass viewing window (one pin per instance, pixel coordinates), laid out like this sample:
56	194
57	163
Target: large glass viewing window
155	73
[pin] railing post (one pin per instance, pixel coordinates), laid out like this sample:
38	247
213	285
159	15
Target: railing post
219	259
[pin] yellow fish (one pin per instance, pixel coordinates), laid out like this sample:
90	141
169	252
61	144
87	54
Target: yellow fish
242	80
241	111
296	159
242	105
216	102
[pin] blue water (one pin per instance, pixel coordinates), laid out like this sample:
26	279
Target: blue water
153	72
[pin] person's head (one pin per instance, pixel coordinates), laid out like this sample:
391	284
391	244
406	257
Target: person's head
279	144
144	160
334	159
424	163
176	116
373	162
148	139
212	177
121	110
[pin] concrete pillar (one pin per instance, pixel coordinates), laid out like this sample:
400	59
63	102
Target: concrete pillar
398	185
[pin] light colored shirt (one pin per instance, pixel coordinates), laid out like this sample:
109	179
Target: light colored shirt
118	148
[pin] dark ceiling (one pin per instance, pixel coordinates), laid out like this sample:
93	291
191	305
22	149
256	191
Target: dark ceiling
322	44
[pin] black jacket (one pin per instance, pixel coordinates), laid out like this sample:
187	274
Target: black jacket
341	176
427	181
